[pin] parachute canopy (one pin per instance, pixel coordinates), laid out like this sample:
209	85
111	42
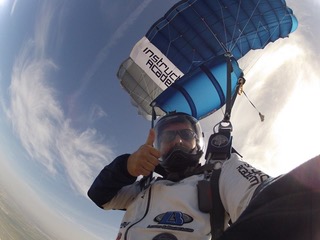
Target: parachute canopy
181	63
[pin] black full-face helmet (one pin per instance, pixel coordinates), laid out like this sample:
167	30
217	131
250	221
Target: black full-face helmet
179	156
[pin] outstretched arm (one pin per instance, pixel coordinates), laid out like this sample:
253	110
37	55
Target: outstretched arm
110	180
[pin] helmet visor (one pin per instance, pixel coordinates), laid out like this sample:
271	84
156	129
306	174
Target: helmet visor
166	132
185	134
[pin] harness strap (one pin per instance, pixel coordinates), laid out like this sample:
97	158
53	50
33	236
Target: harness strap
217	211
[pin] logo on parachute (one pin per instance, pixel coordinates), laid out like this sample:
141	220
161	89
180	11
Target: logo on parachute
160	68
155	64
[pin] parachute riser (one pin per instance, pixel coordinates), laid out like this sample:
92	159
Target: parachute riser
218	150
220	142
227	114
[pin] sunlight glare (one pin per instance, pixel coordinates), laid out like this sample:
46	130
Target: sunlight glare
273	58
296	127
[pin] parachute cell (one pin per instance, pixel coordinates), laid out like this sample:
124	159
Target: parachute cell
206	84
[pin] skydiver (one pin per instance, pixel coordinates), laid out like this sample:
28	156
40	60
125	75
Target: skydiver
257	206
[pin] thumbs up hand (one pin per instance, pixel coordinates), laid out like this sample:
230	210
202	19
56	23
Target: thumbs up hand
145	159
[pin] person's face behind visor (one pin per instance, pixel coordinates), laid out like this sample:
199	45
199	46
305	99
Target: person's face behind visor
174	134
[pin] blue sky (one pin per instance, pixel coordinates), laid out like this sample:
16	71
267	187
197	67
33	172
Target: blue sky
64	115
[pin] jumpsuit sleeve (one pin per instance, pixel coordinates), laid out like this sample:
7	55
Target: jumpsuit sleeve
286	207
237	185
111	182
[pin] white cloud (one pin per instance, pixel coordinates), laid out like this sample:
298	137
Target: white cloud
96	112
39	121
37	116
34	112
82	155
288	97
13	7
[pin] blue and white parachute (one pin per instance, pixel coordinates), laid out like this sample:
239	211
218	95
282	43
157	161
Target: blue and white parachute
181	63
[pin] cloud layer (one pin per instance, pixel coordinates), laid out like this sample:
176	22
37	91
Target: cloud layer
36	113
39	121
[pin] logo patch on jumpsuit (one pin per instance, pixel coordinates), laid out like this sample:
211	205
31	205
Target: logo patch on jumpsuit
173	218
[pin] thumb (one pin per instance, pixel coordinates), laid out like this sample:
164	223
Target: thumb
151	137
